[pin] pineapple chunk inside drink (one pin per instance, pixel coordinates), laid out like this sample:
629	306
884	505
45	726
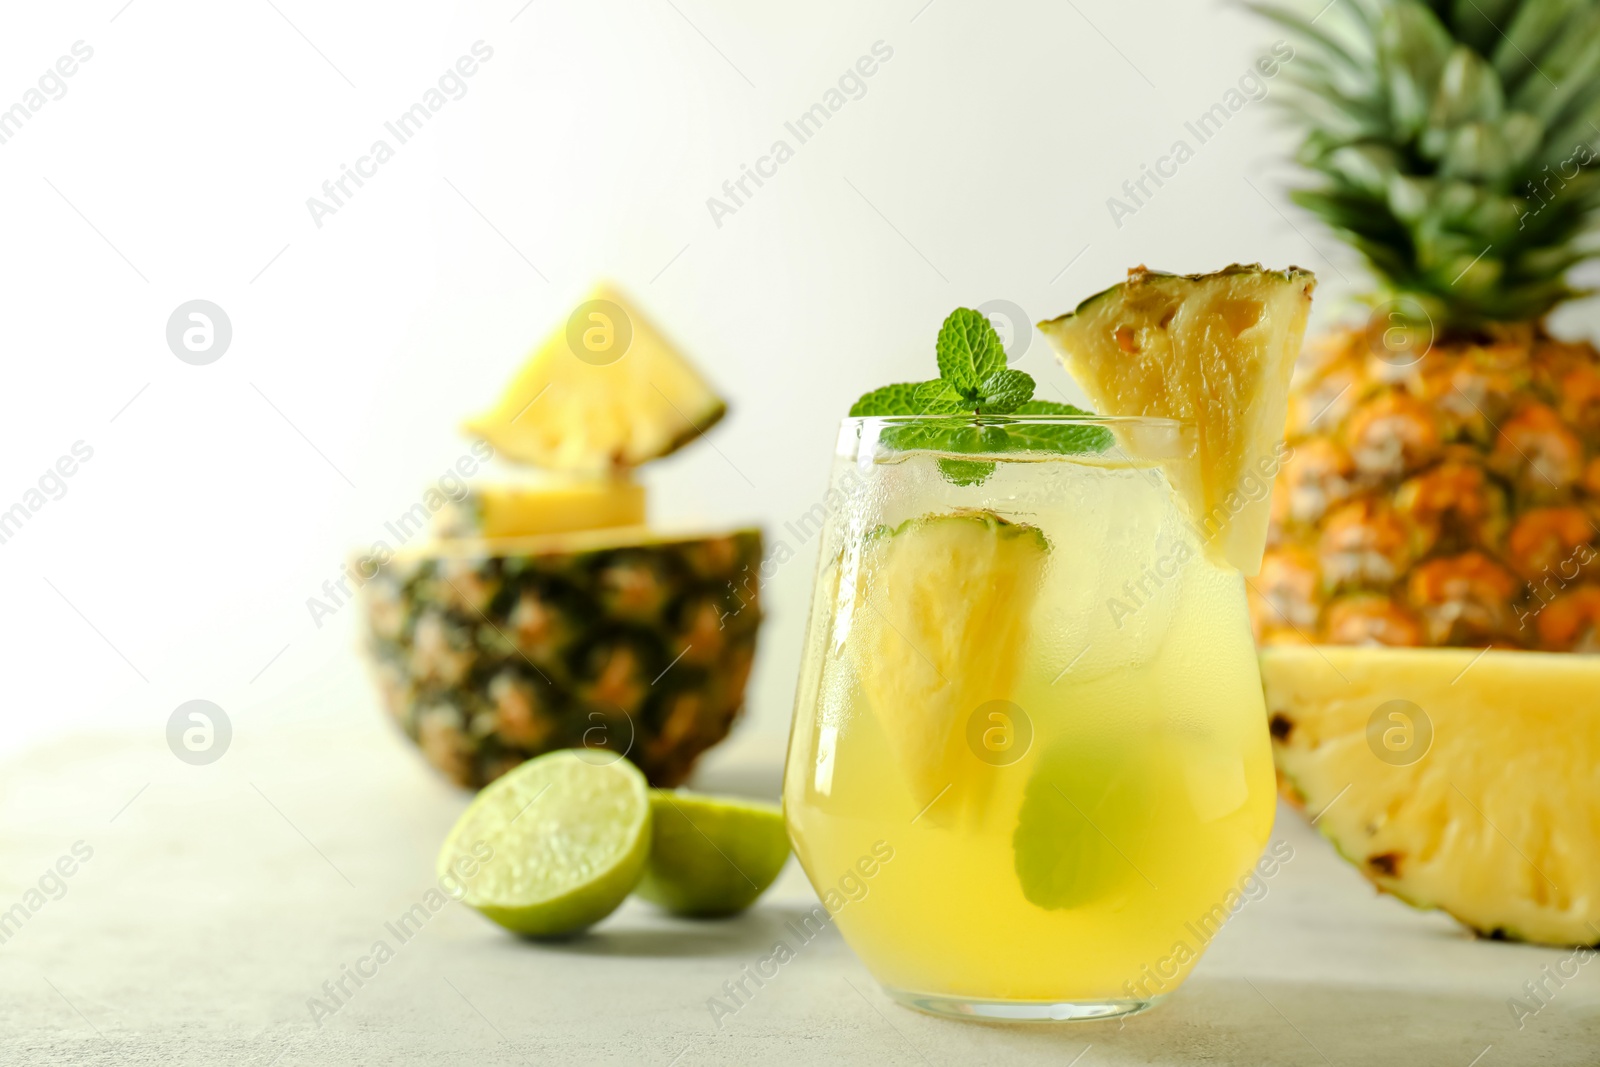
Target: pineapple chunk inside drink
1062	850
929	593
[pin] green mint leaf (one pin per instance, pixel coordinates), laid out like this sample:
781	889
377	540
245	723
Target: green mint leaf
960	435
1065	438
969	350
939	397
911	437
890	400
1004	391
950	434
1050	407
965	471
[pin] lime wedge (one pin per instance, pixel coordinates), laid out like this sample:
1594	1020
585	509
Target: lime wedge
1085	814
553	846
711	856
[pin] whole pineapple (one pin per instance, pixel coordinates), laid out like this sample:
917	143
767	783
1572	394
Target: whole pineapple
1437	514
1444	483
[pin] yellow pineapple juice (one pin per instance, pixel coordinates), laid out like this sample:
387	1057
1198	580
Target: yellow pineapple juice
1040	696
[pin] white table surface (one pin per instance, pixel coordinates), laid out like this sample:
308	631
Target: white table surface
219	899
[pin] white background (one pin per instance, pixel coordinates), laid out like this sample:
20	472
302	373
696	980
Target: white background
178	164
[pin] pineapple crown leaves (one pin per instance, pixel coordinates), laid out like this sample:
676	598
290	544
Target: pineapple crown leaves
974	381
1454	142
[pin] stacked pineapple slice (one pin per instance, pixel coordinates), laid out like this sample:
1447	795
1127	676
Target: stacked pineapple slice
546	614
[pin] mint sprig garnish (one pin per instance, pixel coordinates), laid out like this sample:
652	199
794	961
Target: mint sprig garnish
974	381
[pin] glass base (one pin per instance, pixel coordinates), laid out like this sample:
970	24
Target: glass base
1019	1011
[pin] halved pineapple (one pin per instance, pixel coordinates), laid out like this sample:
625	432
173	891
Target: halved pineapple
1213	349
604	391
942	603
1466	786
490	652
515	510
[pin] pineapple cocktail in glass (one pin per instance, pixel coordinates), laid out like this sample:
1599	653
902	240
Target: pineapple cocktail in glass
1029	728
1039	696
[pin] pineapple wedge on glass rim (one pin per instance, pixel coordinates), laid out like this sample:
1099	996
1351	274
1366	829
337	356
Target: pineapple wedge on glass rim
1214	350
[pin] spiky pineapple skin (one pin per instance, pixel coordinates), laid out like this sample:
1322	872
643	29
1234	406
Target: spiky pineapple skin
491	656
1446	500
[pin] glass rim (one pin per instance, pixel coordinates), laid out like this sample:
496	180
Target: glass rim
1151	421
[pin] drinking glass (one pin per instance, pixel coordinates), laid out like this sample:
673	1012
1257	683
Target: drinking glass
1029	770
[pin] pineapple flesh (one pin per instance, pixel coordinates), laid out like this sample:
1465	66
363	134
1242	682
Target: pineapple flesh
564	506
942	603
1443	489
606	390
1483	802
1212	349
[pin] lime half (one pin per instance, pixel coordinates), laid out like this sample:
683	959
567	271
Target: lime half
553	846
711	856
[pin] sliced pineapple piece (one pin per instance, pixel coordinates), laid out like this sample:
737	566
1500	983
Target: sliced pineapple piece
1479	798
1212	349
605	391
531	510
942	605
